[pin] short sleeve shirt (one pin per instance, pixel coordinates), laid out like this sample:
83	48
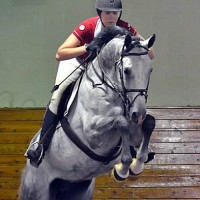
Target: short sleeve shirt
86	30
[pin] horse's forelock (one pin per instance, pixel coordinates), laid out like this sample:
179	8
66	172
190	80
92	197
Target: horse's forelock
115	37
107	34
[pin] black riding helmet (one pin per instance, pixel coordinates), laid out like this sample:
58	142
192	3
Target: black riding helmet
108	5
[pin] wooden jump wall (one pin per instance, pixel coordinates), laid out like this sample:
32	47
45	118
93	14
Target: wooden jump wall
173	174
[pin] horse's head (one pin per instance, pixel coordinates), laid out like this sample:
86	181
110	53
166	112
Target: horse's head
136	66
127	68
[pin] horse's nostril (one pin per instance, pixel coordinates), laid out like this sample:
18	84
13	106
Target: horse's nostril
135	117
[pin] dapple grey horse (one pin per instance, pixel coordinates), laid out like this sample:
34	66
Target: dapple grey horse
107	116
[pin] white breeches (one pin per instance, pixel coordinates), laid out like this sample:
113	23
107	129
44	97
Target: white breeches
65	68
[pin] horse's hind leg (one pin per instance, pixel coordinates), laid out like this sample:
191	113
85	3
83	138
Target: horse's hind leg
142	153
83	190
64	190
32	185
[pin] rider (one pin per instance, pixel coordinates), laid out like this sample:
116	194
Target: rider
70	54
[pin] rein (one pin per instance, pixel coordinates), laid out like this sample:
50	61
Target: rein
79	143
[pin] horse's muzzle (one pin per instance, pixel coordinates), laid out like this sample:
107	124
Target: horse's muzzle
138	117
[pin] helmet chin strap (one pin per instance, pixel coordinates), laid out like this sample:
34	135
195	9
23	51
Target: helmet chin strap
102	22
119	17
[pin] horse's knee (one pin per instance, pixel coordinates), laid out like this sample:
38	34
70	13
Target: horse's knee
149	124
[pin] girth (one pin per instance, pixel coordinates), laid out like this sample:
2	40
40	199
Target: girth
79	143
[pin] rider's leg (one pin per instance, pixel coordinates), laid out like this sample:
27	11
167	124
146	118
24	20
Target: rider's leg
50	118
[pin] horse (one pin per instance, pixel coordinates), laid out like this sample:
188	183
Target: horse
106	118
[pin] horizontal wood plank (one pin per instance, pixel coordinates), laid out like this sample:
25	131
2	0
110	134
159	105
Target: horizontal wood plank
8	194
19	126
21	114
11	171
12	160
176	159
149	182
24	114
137	198
158	136
172	113
176	148
175	136
138	193
178	124
13	149
150	170
161	148
139	182
149	193
16	137
9	183
34	126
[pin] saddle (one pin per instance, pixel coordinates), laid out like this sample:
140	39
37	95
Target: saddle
68	98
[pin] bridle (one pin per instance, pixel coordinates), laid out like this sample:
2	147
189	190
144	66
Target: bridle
123	92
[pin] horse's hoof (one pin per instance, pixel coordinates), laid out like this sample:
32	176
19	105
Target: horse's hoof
151	156
116	176
133	174
136	167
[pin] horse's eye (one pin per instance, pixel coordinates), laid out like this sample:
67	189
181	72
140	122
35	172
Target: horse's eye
127	71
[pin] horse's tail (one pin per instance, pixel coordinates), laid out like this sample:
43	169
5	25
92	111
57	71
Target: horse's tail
25	192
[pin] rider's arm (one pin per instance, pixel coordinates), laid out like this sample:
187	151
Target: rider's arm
151	51
70	48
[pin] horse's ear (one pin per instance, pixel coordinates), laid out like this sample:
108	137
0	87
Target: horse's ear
149	42
128	41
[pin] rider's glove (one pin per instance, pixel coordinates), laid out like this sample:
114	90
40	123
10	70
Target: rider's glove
92	49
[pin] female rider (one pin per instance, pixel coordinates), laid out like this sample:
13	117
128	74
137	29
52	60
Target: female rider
70	54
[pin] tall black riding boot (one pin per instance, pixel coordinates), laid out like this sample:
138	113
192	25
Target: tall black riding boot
49	124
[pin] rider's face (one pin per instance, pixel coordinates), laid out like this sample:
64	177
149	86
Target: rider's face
109	18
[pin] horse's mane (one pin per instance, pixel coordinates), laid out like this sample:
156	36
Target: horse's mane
106	35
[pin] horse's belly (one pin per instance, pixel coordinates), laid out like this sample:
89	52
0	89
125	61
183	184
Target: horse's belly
78	166
68	162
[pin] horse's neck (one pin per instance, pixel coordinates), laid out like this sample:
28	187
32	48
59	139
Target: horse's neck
97	88
91	114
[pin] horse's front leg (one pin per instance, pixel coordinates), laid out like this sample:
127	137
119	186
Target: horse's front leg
104	130
147	128
121	170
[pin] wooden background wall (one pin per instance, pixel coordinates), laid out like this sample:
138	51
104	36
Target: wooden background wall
173	174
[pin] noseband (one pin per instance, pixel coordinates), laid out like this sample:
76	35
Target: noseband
123	93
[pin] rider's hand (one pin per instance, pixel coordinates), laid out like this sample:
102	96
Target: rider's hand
92	49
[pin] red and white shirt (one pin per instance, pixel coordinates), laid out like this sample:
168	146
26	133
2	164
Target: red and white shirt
90	28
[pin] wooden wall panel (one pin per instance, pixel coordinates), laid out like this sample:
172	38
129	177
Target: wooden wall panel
173	174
